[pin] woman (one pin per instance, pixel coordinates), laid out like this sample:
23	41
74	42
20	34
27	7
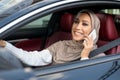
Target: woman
64	51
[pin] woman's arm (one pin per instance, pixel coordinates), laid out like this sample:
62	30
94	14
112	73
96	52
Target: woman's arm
32	58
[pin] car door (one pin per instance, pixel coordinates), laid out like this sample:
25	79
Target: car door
93	69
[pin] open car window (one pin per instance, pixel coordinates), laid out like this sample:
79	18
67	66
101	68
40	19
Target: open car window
39	23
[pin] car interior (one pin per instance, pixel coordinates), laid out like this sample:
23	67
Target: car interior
59	28
108	32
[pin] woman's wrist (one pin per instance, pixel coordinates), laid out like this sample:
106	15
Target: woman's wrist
87	49
85	53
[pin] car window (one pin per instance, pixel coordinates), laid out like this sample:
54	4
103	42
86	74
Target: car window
39	23
112	11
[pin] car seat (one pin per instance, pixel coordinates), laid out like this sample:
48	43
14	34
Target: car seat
65	30
108	31
30	45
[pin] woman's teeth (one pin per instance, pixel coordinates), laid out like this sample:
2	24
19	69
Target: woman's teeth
78	33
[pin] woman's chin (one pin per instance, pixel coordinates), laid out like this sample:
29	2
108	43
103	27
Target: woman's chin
78	39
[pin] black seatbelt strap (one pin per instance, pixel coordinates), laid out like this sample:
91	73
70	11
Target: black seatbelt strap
104	48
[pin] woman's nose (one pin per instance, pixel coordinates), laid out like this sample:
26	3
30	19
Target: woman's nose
79	26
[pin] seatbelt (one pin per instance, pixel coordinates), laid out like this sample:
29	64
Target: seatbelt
104	48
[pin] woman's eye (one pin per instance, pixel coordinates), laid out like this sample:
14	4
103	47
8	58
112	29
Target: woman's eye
76	21
85	24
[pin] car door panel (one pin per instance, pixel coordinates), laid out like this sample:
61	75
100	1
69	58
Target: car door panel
94	72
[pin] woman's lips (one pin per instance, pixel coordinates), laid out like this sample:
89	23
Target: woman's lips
78	33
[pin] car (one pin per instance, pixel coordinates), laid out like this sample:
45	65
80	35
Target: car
41	24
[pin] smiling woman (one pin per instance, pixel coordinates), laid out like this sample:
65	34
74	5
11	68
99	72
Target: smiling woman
63	51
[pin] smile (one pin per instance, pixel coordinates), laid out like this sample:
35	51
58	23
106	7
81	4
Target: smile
78	33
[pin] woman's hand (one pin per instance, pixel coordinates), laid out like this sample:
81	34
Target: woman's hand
88	45
88	42
2	43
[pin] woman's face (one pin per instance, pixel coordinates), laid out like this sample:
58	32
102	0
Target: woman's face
81	27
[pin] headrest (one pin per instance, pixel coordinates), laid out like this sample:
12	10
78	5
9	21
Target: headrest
66	22
108	30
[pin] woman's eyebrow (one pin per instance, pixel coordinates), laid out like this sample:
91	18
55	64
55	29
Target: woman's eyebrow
85	21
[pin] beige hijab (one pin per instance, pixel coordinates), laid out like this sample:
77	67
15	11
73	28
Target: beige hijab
69	50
